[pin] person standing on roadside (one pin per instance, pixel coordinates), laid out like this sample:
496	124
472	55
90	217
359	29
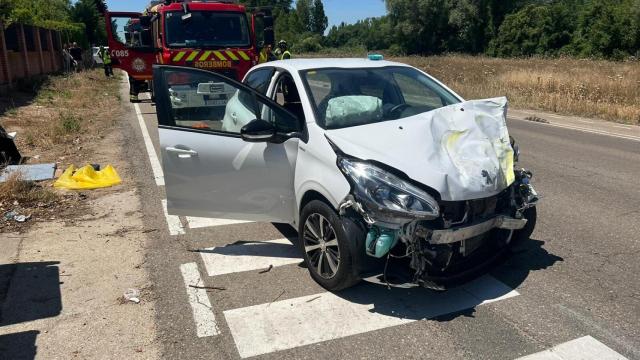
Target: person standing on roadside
106	61
265	53
67	59
76	53
282	53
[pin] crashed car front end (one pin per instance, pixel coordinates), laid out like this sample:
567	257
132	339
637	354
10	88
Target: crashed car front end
446	231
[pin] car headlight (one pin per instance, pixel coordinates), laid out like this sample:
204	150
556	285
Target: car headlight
386	191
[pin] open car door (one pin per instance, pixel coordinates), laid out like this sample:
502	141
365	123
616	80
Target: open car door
209	170
130	43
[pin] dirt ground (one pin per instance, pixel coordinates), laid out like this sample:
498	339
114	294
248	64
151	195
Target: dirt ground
62	280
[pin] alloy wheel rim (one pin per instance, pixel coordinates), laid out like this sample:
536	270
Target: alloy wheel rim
321	246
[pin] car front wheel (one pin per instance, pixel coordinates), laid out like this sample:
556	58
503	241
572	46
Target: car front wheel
323	242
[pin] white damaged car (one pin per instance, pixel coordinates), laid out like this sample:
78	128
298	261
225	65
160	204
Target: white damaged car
377	165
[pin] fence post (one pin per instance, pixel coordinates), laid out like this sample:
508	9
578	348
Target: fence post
52	52
38	40
22	41
4	58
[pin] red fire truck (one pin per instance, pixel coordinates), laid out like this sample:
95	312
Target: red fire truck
218	35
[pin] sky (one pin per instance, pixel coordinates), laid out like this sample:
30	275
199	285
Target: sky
337	11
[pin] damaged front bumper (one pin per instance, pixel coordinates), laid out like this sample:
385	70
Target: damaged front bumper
458	234
456	242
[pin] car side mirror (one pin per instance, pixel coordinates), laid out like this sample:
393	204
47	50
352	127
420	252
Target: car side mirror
258	131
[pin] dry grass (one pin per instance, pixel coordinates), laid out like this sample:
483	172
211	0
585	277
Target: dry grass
17	192
601	89
67	112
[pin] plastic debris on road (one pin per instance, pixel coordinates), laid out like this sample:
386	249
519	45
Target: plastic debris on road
132	295
87	178
13	215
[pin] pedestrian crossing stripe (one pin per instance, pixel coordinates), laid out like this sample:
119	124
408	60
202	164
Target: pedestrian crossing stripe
193	55
179	56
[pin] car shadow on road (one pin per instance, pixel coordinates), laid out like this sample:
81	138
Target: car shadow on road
29	291
419	303
21	345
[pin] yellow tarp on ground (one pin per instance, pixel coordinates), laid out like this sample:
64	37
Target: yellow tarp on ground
87	178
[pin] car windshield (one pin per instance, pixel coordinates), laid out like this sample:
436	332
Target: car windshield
207	29
352	97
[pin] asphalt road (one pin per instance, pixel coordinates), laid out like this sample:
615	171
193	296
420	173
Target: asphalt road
578	276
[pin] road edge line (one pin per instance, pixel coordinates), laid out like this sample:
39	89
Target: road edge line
203	316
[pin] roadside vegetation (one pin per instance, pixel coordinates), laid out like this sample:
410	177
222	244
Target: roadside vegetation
591	88
60	120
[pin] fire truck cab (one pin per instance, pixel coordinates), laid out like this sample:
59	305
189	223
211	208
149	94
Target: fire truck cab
218	35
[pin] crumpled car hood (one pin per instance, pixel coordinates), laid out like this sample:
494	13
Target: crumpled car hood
462	150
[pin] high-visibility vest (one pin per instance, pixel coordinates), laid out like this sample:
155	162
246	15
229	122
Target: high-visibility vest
264	57
106	57
285	55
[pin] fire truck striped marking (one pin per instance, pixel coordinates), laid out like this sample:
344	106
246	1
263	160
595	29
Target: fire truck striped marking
193	55
244	55
219	55
179	56
205	56
232	55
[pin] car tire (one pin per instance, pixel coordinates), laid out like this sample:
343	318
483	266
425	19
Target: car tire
331	274
522	235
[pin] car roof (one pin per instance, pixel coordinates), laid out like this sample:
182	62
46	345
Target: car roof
322	63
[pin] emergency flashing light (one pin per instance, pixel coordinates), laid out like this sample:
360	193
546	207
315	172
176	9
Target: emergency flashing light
376	57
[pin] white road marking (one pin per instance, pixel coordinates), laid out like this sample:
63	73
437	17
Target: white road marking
249	256
206	324
306	320
585	121
584	348
624	126
200	222
593	131
173	222
153	157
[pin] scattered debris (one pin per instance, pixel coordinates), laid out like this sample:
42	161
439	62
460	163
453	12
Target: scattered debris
278	297
14	215
9	153
266	270
87	178
36	172
132	295
535	118
313	299
145	231
208	287
21	218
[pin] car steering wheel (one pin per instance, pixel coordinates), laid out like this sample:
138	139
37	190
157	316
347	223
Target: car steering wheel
398	109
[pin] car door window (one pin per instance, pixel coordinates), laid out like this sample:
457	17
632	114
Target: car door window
287	95
204	101
260	80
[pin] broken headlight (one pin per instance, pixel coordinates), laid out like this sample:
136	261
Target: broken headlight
386	192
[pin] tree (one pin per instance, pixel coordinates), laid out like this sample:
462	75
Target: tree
534	30
319	20
86	12
303	10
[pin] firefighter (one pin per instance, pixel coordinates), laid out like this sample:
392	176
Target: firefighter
133	90
106	61
265	53
282	53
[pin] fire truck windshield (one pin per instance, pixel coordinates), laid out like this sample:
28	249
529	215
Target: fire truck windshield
206	29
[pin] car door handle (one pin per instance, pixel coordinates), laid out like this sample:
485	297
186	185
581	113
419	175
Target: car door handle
182	153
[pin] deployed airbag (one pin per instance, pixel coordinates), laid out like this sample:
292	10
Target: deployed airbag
353	110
